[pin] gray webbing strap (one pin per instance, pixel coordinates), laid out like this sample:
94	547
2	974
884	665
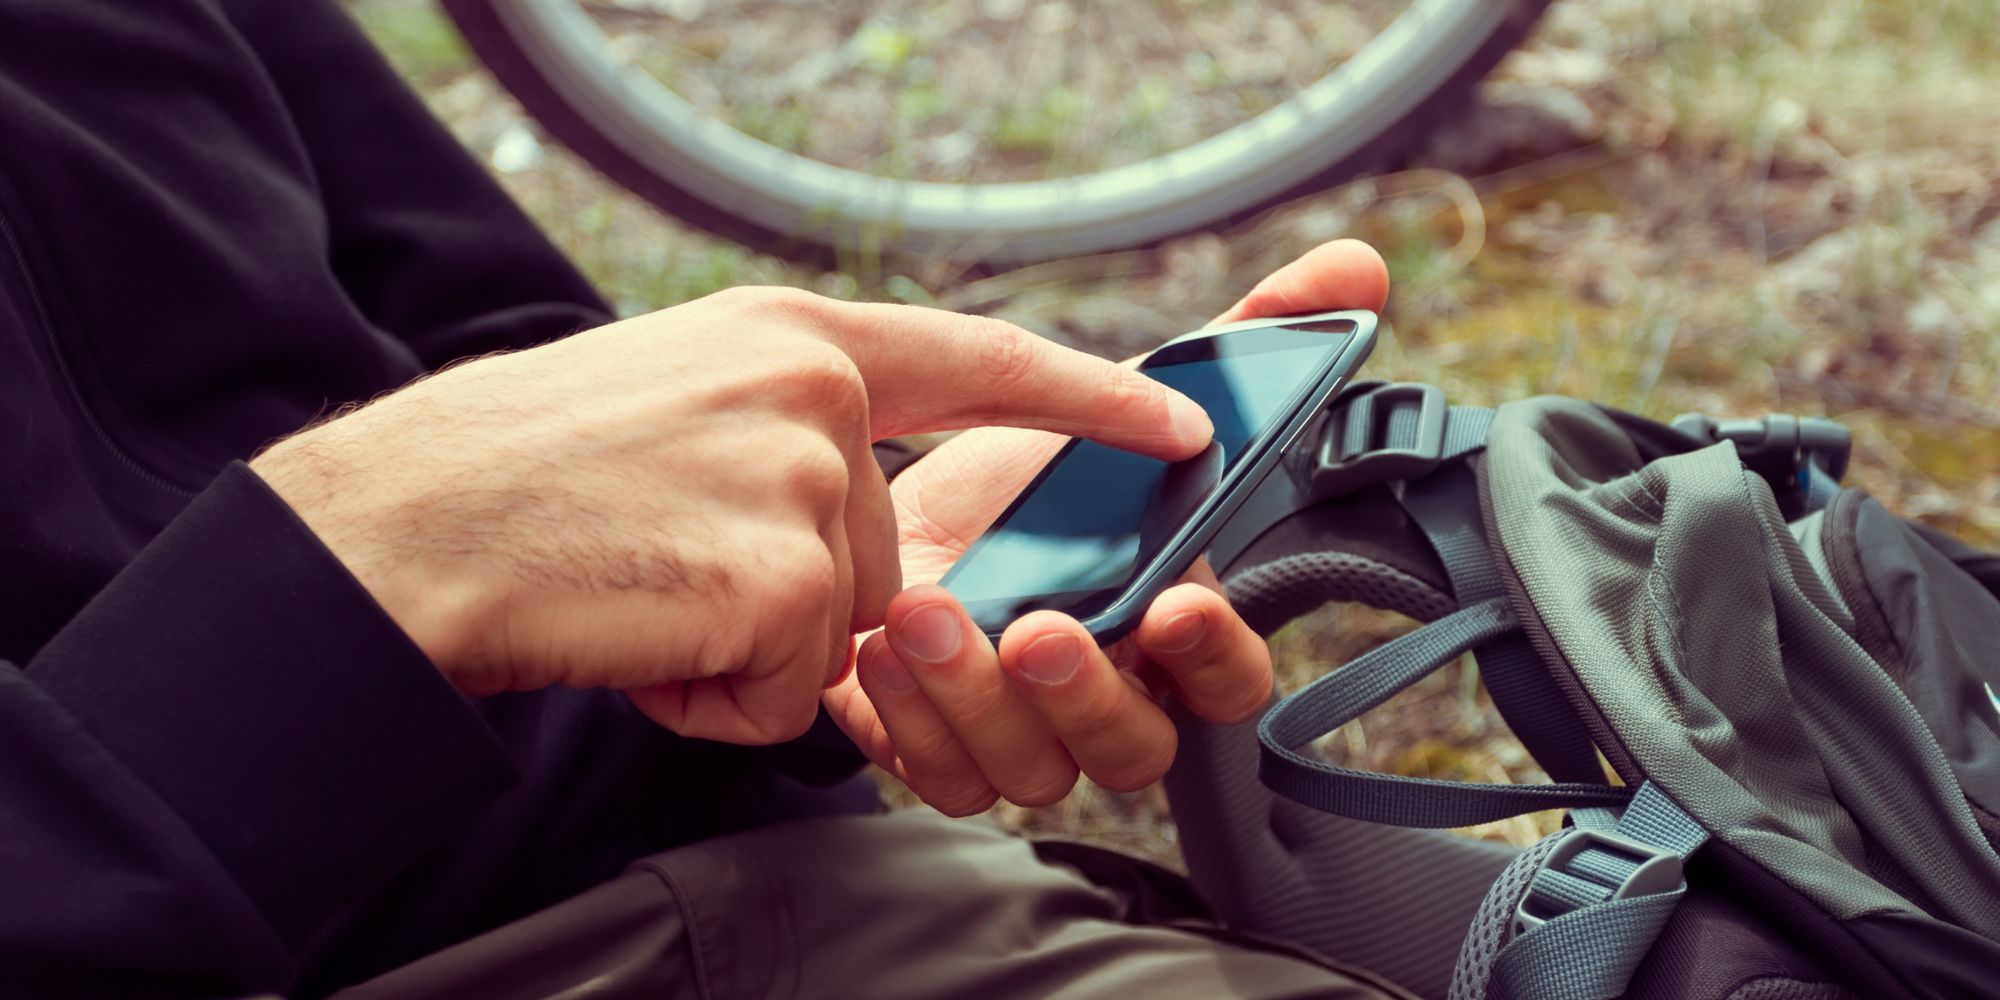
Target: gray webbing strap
1816	487
1401	426
1445	505
1333	700
1465	430
1598	895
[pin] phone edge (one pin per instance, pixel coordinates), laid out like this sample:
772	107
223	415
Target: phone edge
1123	615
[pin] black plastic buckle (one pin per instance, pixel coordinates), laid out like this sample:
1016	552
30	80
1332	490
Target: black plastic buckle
1780	447
1354	449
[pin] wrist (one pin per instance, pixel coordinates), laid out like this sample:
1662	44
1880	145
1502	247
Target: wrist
379	545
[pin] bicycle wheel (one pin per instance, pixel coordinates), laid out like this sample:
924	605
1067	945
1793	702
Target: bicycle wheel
577	68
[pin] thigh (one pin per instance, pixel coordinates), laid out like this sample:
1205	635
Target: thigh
886	907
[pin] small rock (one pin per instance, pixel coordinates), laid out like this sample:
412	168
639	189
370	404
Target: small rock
952	150
1929	314
516	150
680	10
1574	68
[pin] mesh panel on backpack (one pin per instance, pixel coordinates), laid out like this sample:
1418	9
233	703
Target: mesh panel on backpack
1276	592
1788	989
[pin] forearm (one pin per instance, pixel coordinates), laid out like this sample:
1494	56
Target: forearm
224	749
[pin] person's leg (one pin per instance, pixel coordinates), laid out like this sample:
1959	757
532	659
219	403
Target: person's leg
903	906
1393	900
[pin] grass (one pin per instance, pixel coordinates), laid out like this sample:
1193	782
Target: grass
419	42
1775	205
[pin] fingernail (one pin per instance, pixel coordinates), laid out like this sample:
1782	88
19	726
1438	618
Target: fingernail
1052	659
1182	632
847	664
930	633
889	672
1189	421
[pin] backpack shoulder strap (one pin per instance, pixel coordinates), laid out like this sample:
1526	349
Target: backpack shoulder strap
1383	506
1323	706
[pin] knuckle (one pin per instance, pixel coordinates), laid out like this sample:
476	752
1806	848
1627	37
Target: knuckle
792	723
741	298
969	800
820	383
1047	788
1142	772
724	650
1126	390
843	398
1237	702
766	298
817	581
812	470
932	749
737	294
1101	711
1122	781
823	473
984	706
1007	353
802	577
840	383
825	360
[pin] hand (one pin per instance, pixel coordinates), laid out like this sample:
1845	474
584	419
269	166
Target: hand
683	505
964	725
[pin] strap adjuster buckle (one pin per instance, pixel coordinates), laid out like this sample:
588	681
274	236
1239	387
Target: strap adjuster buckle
1356	447
1633	869
1779	446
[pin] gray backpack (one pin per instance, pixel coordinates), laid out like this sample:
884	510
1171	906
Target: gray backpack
1793	687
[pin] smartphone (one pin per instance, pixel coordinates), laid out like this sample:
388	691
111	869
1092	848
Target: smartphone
1100	532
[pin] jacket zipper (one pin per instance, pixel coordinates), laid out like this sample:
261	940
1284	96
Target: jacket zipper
97	429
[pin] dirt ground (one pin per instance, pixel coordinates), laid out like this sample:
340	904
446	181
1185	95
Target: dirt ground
1733	207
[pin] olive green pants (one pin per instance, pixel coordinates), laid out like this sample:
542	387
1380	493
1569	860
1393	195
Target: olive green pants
875	908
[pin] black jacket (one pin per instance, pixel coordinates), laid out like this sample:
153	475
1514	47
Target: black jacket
222	768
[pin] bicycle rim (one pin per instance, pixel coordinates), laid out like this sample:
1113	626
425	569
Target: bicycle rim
1330	122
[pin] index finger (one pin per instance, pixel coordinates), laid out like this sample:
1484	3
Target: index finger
932	370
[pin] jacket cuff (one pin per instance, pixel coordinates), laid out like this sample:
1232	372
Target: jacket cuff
240	671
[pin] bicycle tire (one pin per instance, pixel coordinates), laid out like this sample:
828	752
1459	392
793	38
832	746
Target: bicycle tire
558	91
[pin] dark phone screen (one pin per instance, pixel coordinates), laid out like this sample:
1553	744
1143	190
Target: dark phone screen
1095	515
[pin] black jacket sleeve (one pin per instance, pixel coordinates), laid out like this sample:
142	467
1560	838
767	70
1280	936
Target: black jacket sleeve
230	744
224	770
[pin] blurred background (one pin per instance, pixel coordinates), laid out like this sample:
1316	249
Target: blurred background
1726	206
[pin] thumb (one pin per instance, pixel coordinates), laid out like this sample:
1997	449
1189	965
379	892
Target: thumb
1343	274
